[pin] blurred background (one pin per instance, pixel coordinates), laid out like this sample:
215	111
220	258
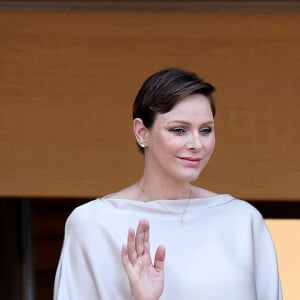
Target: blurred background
69	72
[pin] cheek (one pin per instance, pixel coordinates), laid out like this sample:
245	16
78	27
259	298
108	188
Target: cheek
210	146
167	142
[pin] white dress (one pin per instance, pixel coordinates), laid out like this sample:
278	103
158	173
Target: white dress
223	251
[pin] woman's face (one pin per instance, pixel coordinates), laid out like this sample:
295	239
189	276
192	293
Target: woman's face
181	141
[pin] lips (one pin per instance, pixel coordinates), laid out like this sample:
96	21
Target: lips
193	161
191	158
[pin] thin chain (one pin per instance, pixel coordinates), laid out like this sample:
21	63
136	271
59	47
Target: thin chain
181	221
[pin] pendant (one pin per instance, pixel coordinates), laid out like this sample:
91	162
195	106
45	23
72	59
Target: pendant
181	221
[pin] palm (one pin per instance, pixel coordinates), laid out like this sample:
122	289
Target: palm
146	280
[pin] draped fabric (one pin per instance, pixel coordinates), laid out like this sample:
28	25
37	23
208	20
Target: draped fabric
221	250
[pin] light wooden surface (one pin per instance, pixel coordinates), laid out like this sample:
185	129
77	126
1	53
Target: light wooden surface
68	80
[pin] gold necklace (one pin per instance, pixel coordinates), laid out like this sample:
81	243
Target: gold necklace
181	220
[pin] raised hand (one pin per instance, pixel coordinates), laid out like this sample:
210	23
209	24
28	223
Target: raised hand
146	278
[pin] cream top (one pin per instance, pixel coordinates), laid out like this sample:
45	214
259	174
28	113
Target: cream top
222	251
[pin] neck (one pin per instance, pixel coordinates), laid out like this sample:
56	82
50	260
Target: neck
157	189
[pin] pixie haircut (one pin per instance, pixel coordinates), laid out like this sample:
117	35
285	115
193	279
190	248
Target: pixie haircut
164	89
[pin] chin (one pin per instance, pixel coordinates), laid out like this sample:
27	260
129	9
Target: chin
190	176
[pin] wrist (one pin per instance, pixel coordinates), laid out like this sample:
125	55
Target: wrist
144	297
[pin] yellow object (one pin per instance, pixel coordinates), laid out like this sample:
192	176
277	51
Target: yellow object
286	236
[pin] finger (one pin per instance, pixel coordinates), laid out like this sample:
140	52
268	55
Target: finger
132	255
159	259
142	237
146	237
125	259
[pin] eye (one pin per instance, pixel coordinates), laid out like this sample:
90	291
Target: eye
205	131
178	130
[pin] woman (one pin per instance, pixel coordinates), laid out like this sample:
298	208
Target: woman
208	246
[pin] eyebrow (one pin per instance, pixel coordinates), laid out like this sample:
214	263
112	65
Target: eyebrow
188	123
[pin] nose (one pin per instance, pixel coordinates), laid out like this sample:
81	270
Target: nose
195	142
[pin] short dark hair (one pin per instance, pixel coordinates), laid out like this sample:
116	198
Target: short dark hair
162	90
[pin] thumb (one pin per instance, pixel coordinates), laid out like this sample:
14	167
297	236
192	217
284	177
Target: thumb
159	259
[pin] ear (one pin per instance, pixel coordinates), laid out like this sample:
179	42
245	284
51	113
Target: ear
140	131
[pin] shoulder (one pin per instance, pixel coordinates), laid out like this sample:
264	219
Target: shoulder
244	207
235	204
83	213
198	192
130	192
243	218
237	210
244	213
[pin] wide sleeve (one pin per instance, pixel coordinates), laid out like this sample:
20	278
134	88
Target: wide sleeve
267	280
75	276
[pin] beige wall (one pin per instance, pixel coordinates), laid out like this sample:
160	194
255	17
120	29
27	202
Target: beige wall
68	80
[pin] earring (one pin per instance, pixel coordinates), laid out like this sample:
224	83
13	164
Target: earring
143	145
